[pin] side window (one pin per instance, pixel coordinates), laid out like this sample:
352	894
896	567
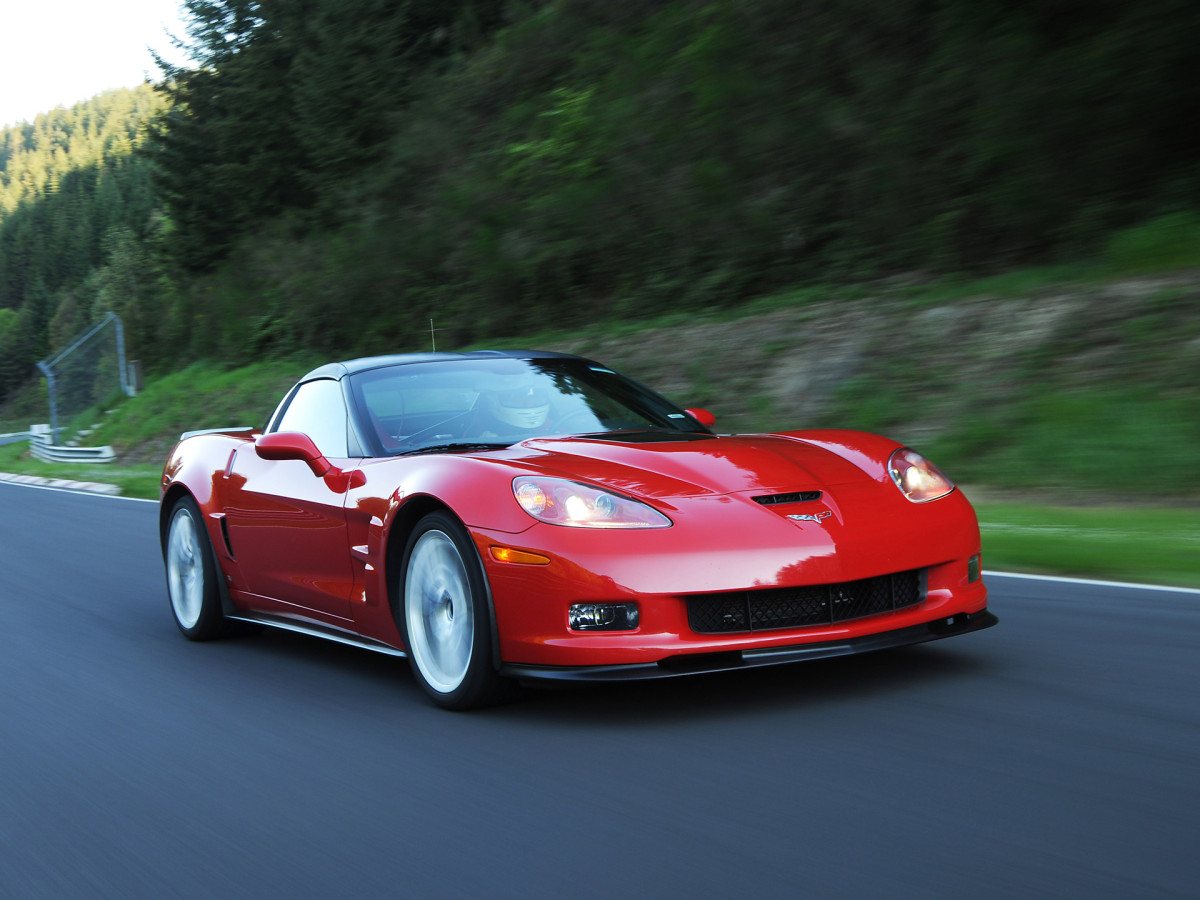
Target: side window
318	410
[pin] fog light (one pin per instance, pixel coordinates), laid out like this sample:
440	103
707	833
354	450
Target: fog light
603	616
973	569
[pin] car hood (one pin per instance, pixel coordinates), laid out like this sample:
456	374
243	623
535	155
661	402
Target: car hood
762	464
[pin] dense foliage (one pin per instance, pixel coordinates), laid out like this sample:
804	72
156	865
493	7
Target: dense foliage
331	175
72	194
594	159
287	103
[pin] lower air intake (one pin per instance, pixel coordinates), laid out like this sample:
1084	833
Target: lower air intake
800	607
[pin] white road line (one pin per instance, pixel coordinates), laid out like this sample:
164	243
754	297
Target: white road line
77	491
1118	584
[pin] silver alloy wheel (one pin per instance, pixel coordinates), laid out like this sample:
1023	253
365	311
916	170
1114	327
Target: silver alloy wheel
185	569
439	611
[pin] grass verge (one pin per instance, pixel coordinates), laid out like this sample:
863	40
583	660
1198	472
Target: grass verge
134	480
204	395
1148	545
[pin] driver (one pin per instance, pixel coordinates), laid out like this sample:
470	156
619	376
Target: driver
514	407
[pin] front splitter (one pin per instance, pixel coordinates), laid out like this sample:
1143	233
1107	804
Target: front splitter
699	663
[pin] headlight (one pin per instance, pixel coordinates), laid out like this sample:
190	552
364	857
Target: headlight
917	477
562	502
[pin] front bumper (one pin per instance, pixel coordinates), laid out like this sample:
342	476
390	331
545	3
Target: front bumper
698	663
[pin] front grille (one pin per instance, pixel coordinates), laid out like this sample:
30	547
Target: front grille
800	607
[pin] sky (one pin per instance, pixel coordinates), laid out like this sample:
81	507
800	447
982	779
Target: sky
58	52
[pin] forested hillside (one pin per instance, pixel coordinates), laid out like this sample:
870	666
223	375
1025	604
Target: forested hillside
331	174
73	196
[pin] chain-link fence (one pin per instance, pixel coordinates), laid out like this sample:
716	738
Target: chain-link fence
86	378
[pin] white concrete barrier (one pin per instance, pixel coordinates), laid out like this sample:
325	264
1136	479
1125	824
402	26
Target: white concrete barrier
41	445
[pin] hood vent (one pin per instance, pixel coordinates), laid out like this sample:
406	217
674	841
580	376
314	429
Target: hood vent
797	497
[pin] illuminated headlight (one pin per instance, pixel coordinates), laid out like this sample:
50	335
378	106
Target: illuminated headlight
562	502
603	616
918	478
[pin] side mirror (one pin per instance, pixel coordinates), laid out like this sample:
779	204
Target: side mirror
292	445
703	416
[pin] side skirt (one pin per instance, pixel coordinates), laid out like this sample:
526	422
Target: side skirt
314	630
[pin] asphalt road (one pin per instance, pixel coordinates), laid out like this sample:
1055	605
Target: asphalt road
1056	755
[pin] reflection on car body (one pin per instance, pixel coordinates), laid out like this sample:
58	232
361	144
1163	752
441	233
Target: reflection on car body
523	516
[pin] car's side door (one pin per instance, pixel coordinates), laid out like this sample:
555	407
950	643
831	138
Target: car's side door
287	525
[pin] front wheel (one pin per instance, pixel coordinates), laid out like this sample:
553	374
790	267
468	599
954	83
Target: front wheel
192	574
443	613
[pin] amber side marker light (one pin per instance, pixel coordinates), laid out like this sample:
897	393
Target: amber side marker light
509	555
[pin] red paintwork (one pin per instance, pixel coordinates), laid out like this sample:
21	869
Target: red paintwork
315	547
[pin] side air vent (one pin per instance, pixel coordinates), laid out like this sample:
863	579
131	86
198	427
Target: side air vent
798	497
225	537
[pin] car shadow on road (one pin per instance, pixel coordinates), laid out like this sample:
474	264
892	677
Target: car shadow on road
808	684
331	667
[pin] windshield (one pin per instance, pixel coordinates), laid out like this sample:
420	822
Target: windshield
481	403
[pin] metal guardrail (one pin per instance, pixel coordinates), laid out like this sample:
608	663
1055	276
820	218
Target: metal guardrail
41	445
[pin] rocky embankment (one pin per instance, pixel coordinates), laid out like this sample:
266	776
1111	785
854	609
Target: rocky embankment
918	366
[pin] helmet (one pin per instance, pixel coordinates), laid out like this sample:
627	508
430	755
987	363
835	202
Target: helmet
522	407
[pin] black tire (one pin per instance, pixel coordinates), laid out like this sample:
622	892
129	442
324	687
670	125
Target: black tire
192	574
444	616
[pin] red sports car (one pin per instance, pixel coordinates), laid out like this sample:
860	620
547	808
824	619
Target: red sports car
522	516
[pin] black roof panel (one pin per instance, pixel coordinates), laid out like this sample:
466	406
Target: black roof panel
363	364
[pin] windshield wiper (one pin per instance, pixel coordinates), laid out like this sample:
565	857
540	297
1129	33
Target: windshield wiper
459	447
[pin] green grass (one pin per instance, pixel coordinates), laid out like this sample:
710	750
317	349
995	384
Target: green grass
1019	283
1107	441
204	395
1149	545
1158	245
134	480
1163	244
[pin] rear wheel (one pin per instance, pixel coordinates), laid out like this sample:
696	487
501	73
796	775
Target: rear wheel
443	613
191	574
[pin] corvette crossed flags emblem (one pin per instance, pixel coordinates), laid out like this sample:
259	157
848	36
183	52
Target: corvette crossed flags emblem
814	517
